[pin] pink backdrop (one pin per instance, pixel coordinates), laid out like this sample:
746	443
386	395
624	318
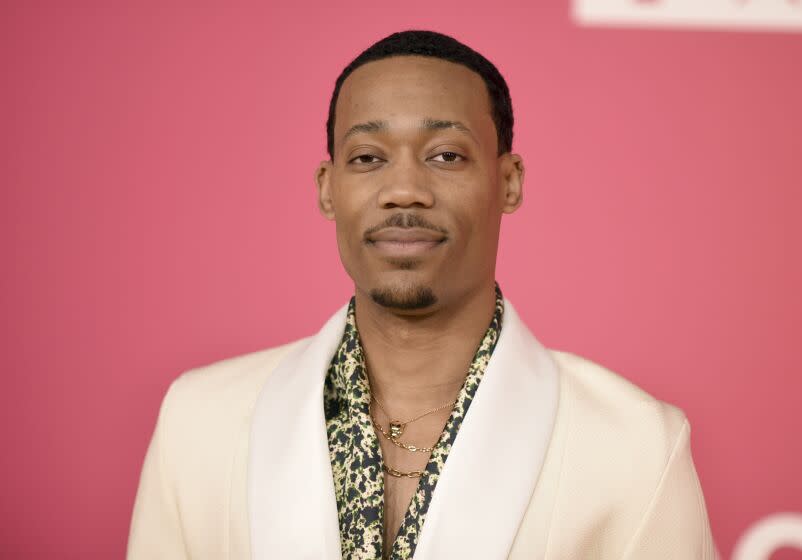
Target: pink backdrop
158	213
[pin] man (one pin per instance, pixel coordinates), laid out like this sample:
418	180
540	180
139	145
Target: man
424	420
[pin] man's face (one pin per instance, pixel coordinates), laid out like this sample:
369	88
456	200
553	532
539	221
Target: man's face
416	187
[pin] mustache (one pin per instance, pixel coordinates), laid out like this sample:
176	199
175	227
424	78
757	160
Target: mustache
405	221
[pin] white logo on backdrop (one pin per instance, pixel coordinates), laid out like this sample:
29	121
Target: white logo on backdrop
769	534
759	15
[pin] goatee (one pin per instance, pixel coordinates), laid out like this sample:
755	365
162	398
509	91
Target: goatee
419	297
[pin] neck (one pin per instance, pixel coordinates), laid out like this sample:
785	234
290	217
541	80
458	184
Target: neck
418	362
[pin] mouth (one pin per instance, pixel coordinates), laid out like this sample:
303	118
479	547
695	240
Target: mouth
405	242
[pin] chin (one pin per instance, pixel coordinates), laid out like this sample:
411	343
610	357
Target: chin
409	297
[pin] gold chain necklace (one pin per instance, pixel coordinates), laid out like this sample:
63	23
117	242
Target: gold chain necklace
401	444
390	470
397	427
401	474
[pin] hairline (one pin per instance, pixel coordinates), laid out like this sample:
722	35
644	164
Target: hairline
492	105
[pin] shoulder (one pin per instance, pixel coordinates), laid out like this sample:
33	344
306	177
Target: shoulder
612	450
620	470
195	464
600	400
214	401
607	421
629	433
231	381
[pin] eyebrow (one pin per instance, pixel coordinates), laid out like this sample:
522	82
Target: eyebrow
439	124
366	127
372	127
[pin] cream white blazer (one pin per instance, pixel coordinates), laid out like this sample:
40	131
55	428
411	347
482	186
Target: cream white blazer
557	459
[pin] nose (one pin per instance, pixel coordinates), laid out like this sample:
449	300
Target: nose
406	185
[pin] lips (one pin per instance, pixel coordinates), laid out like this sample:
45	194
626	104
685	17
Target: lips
399	242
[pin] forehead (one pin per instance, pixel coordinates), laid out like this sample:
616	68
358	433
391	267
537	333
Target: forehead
412	88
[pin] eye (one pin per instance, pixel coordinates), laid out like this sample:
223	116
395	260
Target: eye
365	159
448	157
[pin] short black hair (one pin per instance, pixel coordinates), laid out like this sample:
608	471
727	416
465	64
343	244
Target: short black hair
436	45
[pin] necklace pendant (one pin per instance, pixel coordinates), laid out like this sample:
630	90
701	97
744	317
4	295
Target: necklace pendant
396	429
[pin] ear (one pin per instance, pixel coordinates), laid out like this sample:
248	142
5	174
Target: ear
512	182
323	175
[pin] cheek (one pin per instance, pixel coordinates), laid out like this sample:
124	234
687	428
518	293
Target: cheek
477	207
346	237
349	255
350	227
351	197
346	210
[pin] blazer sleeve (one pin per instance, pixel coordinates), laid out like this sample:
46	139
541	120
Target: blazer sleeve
155	531
675	523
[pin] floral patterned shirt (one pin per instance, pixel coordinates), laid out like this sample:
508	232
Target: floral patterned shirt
356	458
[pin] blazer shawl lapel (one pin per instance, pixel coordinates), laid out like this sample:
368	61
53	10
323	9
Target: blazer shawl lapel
291	502
494	464
483	490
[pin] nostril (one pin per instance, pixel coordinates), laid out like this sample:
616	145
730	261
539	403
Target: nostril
405	194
